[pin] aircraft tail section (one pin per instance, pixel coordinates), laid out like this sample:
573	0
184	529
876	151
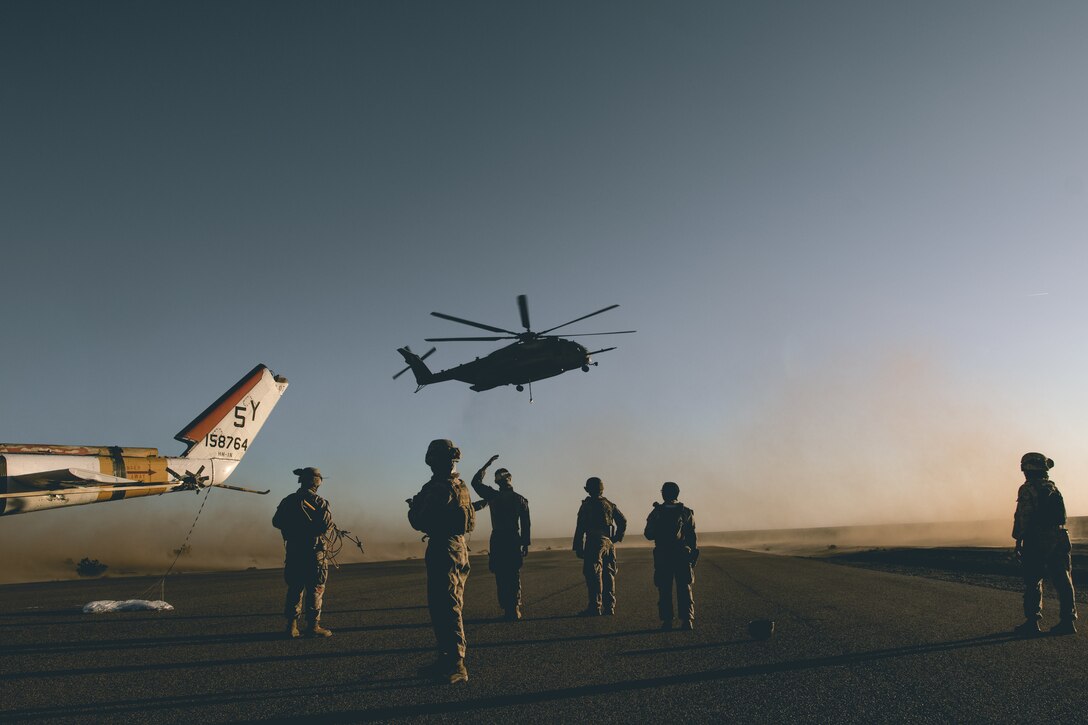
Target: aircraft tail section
423	374
225	430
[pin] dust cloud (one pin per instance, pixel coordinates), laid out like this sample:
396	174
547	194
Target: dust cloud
877	444
143	536
895	440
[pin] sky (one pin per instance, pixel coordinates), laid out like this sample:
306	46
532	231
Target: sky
851	236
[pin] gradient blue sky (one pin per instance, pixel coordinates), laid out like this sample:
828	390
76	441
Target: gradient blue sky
851	236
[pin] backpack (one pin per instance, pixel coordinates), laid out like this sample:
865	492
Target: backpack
1050	507
668	524
289	517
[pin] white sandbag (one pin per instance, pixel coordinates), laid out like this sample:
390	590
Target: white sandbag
128	605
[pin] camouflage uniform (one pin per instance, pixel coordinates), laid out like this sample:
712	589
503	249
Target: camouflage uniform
671	526
443	510
303	519
594	542
509	538
1043	542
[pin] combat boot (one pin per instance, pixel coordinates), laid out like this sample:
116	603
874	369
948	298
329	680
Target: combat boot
316	630
1030	628
292	629
666	624
456	672
590	612
688	625
1066	626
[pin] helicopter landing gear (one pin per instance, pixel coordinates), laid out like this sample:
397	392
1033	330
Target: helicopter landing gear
585	368
520	388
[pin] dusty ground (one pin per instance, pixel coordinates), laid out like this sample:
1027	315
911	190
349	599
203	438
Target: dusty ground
979	566
851	645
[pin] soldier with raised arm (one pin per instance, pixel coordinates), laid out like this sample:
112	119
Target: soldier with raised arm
509	535
303	519
599	528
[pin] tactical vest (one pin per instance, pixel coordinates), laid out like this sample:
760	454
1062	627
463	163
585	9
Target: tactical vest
597	515
442	508
465	519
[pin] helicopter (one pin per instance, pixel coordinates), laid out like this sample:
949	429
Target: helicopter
533	356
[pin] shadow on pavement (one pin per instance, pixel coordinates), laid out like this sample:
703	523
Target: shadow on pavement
201	665
683	648
727	673
294	695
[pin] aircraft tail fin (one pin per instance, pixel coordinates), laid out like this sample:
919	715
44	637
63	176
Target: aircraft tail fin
415	362
228	426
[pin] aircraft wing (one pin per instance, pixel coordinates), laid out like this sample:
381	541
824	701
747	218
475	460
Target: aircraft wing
69	478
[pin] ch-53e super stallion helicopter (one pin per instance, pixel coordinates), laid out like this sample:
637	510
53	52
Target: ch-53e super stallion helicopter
534	355
39	477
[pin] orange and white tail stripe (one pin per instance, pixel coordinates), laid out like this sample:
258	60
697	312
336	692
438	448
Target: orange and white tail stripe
226	428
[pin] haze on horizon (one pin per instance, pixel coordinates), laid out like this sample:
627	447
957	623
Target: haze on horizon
851	236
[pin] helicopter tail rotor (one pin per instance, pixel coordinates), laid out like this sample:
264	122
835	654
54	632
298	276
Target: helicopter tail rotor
415	364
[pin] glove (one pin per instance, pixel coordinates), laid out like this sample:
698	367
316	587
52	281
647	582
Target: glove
525	551
1019	549
579	553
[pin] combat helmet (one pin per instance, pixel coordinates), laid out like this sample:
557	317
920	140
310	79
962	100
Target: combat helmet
1036	462
670	491
594	486
440	451
309	476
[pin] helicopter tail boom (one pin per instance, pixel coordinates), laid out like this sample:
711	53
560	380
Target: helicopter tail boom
419	368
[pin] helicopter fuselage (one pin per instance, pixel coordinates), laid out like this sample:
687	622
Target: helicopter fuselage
519	363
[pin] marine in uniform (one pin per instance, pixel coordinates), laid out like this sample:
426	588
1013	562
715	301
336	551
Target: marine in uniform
599	528
1042	543
509	535
671	526
443	511
303	519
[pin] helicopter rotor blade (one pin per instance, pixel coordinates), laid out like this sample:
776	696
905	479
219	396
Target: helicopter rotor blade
587	334
470	323
603	349
591	314
424	356
469	339
523	309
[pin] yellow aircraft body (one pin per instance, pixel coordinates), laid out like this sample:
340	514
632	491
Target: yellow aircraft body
38	477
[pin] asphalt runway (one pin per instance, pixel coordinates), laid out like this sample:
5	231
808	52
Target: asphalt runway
852	645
